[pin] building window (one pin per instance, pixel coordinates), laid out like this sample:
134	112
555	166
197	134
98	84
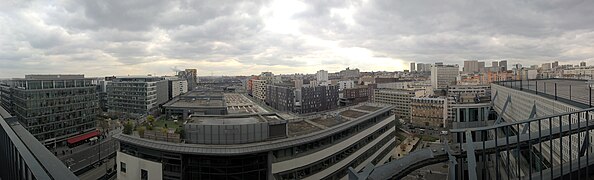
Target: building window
123	167
143	174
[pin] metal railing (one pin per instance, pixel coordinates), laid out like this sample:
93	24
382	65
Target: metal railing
534	148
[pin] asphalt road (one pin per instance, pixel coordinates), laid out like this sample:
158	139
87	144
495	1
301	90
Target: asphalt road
90	155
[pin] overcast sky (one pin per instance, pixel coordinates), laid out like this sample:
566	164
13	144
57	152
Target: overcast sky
283	36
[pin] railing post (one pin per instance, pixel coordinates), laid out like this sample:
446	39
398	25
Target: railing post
590	97
570	92
536	81
555	91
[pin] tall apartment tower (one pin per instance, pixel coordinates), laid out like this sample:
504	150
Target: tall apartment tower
503	65
555	64
412	66
443	76
322	77
54	108
495	66
471	66
481	66
133	94
582	64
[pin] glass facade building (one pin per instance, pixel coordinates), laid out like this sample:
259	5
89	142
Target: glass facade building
54	107
133	95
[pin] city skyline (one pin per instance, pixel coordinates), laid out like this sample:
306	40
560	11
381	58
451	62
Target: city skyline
284	37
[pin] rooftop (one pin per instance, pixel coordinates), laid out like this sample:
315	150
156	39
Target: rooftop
214	94
570	91
195	103
234	119
301	130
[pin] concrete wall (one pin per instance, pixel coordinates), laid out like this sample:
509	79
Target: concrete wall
134	165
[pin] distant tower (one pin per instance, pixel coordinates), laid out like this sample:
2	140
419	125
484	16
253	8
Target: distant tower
412	66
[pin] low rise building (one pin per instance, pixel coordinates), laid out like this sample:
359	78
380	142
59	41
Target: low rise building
196	103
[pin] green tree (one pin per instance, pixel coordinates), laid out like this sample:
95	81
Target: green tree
141	130
181	132
128	127
150	119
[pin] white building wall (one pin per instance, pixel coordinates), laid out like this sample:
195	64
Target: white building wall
345	85
134	165
178	87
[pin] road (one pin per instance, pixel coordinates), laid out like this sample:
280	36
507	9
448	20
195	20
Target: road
87	156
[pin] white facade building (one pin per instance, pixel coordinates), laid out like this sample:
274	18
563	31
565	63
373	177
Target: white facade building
322	77
178	87
345	84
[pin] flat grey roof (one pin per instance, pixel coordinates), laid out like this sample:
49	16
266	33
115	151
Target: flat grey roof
234	119
195	103
239	149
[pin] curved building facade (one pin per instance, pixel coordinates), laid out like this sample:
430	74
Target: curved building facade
318	147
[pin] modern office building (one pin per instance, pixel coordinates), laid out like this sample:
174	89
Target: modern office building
429	112
307	99
443	76
400	99
582	64
265	146
412	67
133	94
54	107
101	84
23	157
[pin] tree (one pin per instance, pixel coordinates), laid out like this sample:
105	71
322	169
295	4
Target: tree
181	132
150	119
128	127
141	131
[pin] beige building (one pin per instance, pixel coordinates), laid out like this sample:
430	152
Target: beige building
429	112
400	98
259	89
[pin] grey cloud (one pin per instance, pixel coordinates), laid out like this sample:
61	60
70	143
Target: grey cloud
139	32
